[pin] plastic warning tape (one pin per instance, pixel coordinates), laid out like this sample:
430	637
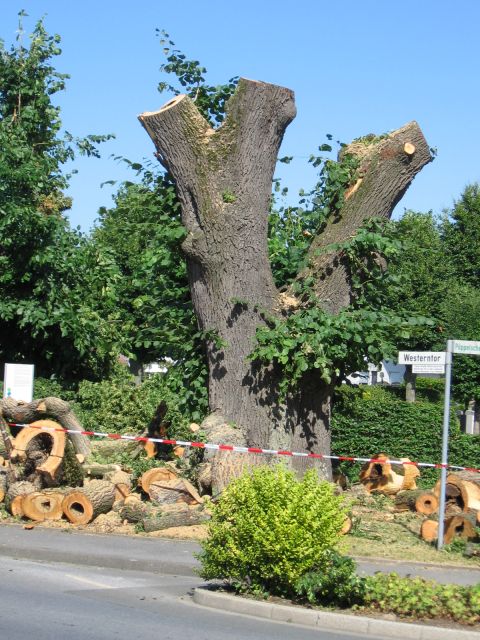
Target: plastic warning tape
237	449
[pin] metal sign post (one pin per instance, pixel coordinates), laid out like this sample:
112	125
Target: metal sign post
446	420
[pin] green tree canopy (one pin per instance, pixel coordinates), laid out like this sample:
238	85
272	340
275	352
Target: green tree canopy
57	305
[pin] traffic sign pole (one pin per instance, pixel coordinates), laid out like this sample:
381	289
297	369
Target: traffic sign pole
446	421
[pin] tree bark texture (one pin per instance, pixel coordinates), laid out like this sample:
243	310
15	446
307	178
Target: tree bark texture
54	408
224	181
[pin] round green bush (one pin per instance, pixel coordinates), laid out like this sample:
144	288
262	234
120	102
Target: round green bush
269	528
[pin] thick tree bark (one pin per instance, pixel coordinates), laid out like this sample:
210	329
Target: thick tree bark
55	408
223	180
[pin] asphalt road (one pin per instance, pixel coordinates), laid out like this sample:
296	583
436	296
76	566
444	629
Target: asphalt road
101	587
44	600
156	555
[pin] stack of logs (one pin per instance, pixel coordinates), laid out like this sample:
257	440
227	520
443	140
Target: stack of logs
42	478
462	496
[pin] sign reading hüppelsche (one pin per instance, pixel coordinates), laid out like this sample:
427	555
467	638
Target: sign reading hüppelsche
469	347
422	357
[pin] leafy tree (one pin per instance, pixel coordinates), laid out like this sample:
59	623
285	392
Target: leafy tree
461	235
436	273
57	303
460	230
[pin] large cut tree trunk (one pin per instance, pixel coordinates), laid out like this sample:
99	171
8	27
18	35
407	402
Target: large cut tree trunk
55	408
224	181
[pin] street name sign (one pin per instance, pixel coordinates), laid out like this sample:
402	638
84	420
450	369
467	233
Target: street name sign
422	357
469	347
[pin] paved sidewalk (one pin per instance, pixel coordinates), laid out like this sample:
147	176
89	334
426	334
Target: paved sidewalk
327	620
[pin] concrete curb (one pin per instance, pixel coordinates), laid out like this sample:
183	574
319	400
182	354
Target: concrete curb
327	620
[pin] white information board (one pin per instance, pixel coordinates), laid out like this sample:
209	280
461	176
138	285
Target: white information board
428	368
18	382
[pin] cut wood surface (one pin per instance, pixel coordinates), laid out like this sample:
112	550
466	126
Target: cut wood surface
14	495
84	505
429	530
427	503
347	526
462	490
122	482
43	505
59	410
460	526
175	490
33	437
158	474
15	506
381	476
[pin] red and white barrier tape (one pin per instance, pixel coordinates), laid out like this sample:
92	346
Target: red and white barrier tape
236	449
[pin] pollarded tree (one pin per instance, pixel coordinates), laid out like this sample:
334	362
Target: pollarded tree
223	178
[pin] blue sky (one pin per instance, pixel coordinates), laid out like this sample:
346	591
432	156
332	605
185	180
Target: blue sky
356	68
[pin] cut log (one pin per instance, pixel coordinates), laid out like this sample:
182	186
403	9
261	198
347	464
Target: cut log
462	489
99	471
84	505
122	482
381	476
406	500
14	496
427	503
175	490
429	530
110	450
3	486
158	474
347	526
460	526
181	517
34	438
134	509
43	505
55	408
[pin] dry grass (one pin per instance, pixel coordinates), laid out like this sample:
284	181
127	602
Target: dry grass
379	531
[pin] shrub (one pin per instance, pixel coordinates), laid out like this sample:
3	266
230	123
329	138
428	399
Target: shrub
268	529
420	598
118	405
367	421
333	582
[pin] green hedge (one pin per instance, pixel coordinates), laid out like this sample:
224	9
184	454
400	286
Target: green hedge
371	420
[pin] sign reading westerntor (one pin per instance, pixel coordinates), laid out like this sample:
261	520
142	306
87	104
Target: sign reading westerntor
421	357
